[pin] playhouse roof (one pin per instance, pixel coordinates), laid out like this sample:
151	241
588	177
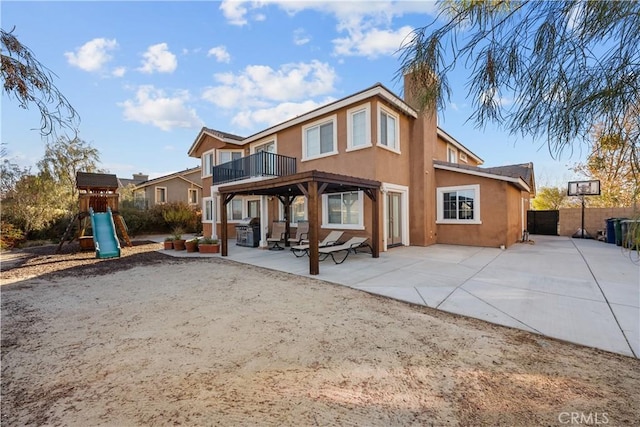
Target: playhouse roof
96	181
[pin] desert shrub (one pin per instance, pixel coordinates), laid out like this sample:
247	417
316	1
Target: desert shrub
54	230
179	214
142	221
10	236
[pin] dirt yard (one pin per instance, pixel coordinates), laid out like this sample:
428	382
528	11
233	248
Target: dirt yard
153	340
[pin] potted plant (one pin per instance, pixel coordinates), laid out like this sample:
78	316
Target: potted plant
168	243
192	245
178	241
208	245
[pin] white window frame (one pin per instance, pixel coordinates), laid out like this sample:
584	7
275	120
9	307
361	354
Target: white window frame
396	116
366	108
189	192
325	213
247	200
255	145
245	208
219	152
462	156
331	119
452	154
230	218
291	222
205	201
206	172
476	202
166	195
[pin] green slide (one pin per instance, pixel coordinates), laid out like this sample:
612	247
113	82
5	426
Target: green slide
104	234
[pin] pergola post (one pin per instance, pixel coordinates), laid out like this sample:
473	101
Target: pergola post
314	255
226	198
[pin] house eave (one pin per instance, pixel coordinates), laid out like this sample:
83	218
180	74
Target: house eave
518	182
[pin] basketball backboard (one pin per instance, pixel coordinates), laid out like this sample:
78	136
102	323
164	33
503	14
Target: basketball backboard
584	188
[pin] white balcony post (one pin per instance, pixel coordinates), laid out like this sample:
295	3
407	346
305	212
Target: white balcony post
264	221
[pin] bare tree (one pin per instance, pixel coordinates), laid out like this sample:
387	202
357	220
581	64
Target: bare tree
549	69
31	83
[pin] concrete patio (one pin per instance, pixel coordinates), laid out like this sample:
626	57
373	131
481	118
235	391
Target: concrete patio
583	291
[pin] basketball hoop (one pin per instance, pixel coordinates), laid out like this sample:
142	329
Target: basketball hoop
583	188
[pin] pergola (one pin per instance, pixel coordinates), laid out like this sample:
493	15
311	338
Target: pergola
312	185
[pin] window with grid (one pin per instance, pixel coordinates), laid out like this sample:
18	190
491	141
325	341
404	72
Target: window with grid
459	204
343	209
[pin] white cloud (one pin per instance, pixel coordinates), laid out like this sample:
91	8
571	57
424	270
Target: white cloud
234	11
372	42
221	54
266	117
260	96
259	85
119	72
300	37
153	106
158	58
368	24
93	55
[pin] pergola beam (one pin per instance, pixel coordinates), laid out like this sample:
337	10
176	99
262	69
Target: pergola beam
311	184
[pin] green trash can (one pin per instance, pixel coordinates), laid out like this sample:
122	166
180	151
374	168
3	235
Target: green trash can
618	227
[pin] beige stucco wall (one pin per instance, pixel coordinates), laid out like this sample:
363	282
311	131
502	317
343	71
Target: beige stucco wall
594	219
500	213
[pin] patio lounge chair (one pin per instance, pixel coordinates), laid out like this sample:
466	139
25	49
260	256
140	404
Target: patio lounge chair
352	245
331	240
278	230
302	232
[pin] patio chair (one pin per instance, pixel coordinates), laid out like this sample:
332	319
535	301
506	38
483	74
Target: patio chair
278	230
302	232
331	240
351	245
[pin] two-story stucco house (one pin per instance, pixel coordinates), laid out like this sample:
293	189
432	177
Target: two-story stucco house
184	186
381	169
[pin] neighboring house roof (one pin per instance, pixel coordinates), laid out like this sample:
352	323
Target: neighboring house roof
510	174
96	181
451	140
176	175
225	137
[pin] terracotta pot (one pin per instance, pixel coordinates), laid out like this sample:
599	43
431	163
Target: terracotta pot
191	246
178	245
168	245
86	243
209	248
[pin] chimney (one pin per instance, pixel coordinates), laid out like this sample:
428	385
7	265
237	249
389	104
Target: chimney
140	177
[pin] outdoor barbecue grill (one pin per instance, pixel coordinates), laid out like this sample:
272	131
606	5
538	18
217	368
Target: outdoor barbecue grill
248	232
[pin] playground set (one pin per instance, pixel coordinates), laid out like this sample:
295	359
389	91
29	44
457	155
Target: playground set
98	201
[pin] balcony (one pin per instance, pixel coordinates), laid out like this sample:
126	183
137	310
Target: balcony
255	165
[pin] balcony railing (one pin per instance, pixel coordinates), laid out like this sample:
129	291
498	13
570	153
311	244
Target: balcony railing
258	164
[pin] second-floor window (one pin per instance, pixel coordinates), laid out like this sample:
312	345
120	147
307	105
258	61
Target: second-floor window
452	155
207	163
227	156
358	128
319	139
388	130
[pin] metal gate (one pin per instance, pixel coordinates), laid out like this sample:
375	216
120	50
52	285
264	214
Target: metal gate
543	222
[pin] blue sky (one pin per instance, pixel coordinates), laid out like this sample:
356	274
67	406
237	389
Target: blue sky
145	76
